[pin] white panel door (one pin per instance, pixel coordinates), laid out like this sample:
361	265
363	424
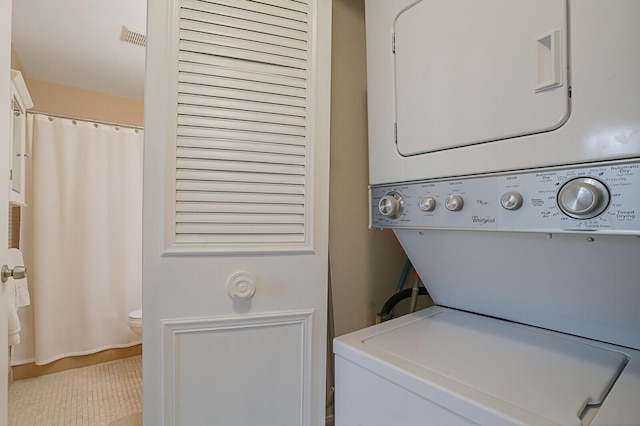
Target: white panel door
5	66
236	212
469	72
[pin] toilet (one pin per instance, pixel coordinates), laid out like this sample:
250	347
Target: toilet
135	321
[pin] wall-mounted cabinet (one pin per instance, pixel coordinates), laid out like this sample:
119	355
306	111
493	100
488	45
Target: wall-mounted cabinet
20	103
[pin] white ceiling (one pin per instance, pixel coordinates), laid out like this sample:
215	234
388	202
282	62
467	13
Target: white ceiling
77	43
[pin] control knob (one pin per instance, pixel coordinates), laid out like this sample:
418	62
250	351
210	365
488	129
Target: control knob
391	205
511	200
583	198
454	203
428	204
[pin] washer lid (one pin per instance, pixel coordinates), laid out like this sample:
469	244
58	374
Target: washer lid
548	374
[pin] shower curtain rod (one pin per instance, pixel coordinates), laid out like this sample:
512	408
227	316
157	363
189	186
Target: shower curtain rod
88	120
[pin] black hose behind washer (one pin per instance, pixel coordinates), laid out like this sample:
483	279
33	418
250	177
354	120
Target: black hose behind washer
385	313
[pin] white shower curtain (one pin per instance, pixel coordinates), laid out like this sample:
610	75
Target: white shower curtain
86	236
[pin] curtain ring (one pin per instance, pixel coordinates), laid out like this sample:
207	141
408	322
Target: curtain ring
50	118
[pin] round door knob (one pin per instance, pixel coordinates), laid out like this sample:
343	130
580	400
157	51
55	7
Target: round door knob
511	200
241	286
454	203
583	198
17	273
391	205
428	204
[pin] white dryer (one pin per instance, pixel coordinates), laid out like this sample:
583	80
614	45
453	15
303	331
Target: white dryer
505	155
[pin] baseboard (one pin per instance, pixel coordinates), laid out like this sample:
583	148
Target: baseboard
29	370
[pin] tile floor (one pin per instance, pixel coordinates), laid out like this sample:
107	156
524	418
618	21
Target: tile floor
100	395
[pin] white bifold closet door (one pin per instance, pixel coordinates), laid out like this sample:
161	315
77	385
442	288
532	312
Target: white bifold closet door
236	212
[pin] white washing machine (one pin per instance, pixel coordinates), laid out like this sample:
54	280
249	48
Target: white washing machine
505	155
443	366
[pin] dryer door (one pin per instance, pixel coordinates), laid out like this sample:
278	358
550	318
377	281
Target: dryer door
469	72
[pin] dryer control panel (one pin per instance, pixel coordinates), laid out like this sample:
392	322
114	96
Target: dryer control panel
602	197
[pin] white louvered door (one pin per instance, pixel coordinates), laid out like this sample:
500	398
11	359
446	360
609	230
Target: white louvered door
236	212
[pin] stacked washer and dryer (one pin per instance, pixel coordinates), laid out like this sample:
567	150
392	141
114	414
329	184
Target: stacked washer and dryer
505	155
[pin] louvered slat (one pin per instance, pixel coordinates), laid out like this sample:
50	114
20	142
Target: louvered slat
237	156
238	218
266	8
241	155
230	39
236	82
242	228
226	177
209	133
239	187
237	197
260	127
186	100
300	6
256	68
238	166
242	240
198	46
257	75
187	207
240	9
226	93
229	27
235	145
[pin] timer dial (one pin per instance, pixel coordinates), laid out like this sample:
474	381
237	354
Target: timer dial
583	198
391	205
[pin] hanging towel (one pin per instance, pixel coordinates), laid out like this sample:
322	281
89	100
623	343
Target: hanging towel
18	297
22	286
14	321
22	293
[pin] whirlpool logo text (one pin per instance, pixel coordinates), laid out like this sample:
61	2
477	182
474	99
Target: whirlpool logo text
483	220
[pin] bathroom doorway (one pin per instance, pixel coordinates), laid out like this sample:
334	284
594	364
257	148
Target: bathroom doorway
82	61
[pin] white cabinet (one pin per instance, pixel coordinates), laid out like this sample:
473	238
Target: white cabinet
20	102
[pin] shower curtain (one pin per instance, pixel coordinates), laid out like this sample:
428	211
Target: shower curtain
85	242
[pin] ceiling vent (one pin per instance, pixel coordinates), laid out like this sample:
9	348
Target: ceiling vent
133	37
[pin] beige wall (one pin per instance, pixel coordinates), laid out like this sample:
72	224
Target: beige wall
58	99
66	100
365	264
